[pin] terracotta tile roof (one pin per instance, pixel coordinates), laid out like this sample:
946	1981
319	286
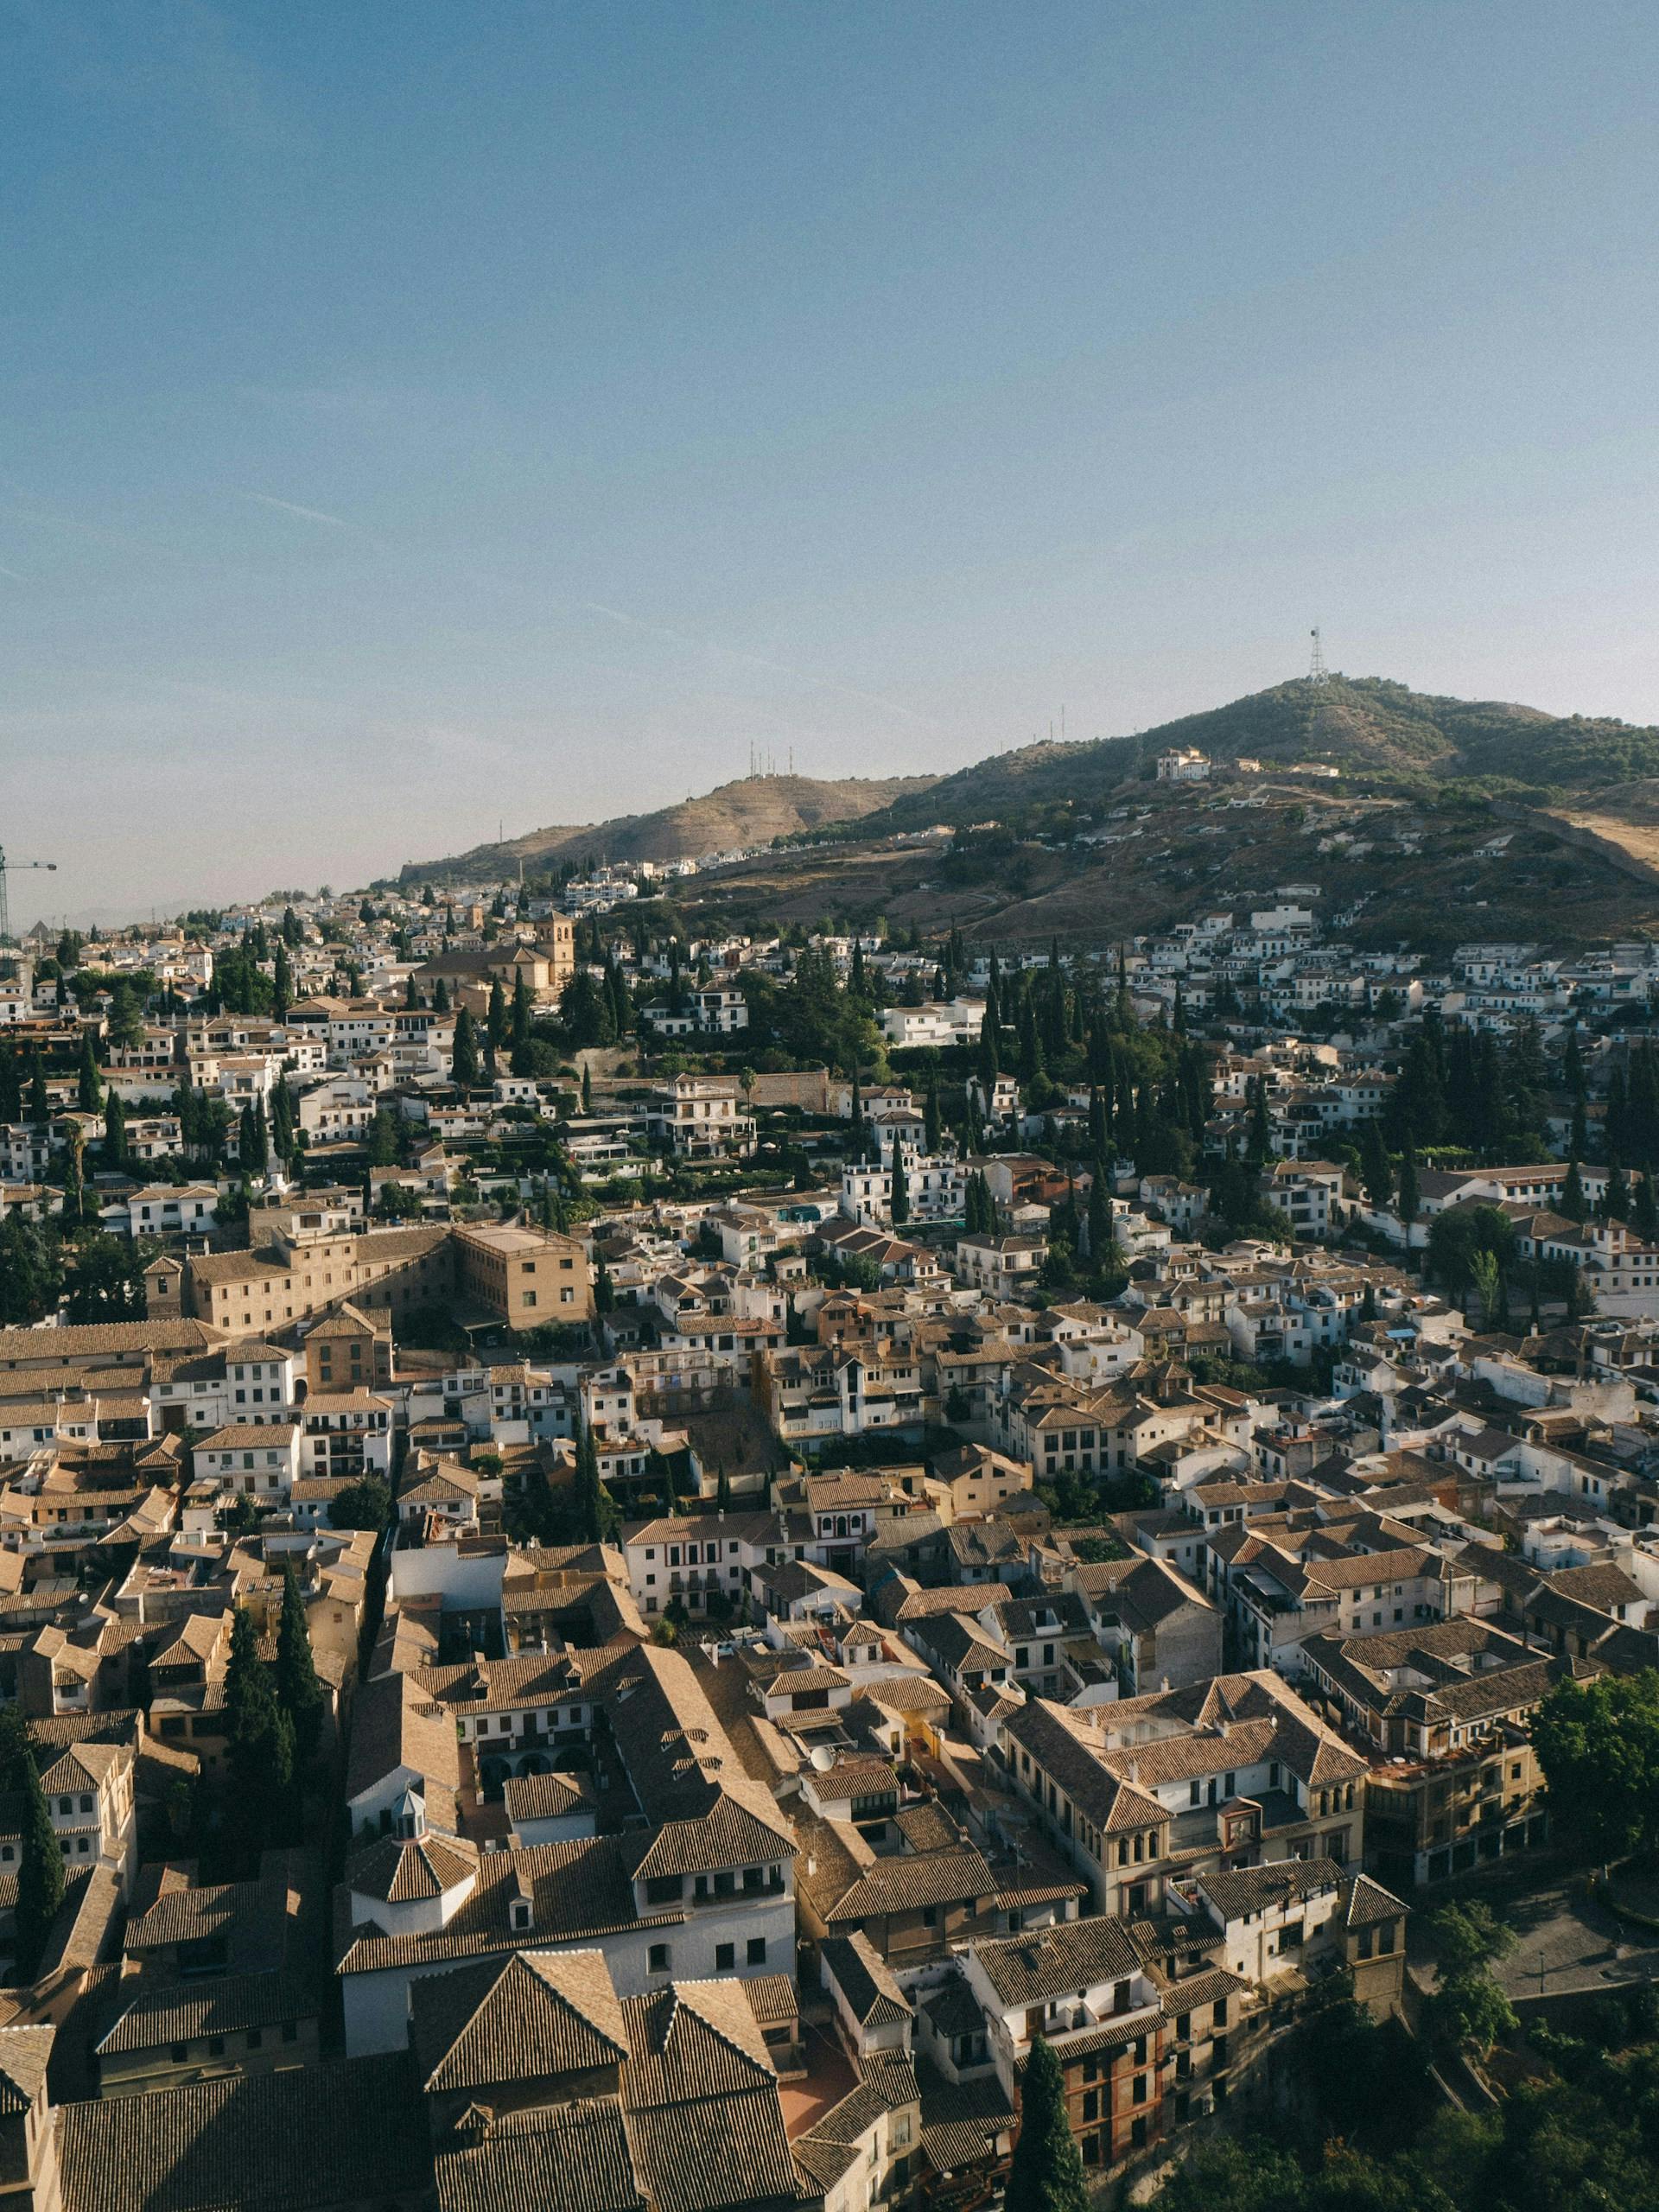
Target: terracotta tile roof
535	2013
223	2006
278	2142
864	1979
1076	1955
399	1869
571	2158
23	2056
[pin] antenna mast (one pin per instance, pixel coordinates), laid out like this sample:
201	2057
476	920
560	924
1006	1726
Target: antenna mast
1317	675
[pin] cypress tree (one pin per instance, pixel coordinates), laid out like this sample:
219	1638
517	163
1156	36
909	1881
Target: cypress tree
464	1060
115	1130
441	997
1410	1192
1616	1199
723	1491
40	1869
900	1203
1645	1213
518	1025
1575	1205
260	1752
1046	2171
495	1022
1374	1169
930	1115
11	1088
40	1106
298	1691
89	1088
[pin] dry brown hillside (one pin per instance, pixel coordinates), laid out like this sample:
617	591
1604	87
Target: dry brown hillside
739	816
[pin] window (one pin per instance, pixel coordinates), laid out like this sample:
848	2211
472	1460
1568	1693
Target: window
658	1959
757	1954
725	1957
290	2032
179	2053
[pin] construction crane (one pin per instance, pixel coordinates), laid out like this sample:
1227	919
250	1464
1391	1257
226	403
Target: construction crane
11	868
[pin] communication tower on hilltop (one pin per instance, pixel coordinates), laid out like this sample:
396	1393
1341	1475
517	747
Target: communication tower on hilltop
1317	674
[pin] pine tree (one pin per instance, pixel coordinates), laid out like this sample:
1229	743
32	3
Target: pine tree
89	1088
464	1060
298	1691
1046	2171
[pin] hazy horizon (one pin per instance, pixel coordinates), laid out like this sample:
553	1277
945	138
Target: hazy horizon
417	420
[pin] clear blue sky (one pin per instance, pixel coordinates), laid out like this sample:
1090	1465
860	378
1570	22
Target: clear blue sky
415	416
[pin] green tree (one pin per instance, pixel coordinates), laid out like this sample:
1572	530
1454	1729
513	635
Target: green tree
115	1131
298	1691
260	1752
40	1867
126	1016
900	1201
1455	1239
253	1138
89	1086
1375	1171
1470	1936
105	1280
1409	1197
593	1511
1598	1743
1468	2010
1575	1205
383	1139
366	1504
464	1060
1045	2174
30	1274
